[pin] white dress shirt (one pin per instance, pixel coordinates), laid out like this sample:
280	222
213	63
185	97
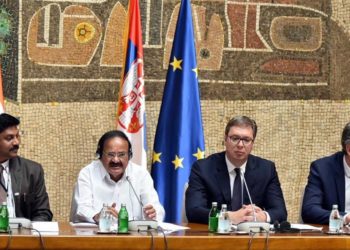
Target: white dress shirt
347	187
232	174
95	187
8	185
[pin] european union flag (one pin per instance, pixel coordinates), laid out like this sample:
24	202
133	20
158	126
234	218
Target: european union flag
179	139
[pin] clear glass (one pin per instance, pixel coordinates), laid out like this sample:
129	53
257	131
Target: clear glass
335	220
224	224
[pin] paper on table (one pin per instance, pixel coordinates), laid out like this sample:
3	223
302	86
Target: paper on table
169	227
83	224
45	227
306	227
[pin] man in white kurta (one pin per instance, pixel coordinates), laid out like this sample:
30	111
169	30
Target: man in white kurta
114	180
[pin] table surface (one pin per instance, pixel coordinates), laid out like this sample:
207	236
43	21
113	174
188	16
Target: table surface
197	237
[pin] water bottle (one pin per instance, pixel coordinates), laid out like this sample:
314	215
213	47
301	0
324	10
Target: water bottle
224	220
105	219
4	217
335	220
213	218
123	220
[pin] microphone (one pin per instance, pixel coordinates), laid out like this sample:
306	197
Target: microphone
252	226
137	197
140	225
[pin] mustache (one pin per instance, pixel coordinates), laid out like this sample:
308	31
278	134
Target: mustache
116	164
14	148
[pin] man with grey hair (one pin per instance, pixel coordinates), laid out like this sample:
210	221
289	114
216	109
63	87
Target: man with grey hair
220	178
328	184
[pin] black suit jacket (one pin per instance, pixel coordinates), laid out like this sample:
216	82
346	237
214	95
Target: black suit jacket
325	187
209	181
29	191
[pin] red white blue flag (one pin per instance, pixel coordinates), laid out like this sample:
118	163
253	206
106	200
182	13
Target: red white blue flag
131	102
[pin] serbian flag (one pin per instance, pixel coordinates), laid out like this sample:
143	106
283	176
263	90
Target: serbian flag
131	116
2	103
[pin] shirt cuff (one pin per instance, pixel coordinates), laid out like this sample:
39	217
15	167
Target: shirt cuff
268	218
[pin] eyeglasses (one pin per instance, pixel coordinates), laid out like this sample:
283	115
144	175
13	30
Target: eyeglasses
120	155
245	140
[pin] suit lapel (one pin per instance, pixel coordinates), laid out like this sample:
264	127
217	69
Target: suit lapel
339	181
16	176
249	177
223	179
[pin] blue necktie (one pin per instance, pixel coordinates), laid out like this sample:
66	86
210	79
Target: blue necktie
236	200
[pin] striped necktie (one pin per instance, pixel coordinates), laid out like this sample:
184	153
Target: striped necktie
3	193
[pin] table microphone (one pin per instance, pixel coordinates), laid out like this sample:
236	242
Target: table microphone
252	226
140	225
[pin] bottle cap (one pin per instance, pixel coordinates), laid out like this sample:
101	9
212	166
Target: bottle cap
223	206
214	203
335	206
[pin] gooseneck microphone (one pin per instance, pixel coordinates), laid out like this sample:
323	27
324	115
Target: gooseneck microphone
137	197
252	226
142	224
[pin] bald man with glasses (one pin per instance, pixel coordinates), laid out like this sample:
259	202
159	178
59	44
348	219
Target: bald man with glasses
220	178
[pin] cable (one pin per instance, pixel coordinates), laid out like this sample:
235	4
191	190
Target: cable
266	245
250	242
9	239
42	245
164	238
150	231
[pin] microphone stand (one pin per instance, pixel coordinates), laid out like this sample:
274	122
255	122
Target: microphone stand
252	226
143	224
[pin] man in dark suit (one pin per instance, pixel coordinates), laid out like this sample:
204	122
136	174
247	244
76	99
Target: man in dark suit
327	182
22	184
220	178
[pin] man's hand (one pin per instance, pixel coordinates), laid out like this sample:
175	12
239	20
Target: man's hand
110	210
150	212
259	213
246	214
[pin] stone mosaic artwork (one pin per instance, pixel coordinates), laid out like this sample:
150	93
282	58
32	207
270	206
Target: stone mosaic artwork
246	50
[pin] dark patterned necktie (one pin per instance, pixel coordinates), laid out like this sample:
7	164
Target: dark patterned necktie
3	194
236	201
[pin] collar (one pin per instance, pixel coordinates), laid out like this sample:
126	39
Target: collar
231	167
6	165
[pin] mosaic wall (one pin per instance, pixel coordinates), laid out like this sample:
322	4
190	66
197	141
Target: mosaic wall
283	62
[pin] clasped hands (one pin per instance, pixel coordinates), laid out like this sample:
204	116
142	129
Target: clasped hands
148	210
246	213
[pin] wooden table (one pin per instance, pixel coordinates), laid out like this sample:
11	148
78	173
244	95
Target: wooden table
195	238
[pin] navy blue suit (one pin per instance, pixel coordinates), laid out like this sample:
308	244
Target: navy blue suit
209	181
325	187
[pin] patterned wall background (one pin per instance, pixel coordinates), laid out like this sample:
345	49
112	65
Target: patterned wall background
283	62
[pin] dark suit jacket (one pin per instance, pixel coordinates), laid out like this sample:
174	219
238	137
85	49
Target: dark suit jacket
209	181
325	187
29	191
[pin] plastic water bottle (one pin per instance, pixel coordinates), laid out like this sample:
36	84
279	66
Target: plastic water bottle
4	218
335	220
123	220
213	218
105	219
224	220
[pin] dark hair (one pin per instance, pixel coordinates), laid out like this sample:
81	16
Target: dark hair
345	137
241	121
108	135
7	121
